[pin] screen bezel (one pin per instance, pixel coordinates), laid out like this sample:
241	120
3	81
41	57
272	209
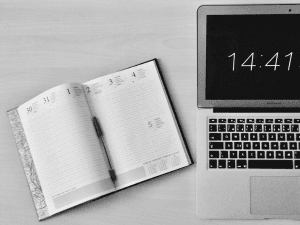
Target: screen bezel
205	10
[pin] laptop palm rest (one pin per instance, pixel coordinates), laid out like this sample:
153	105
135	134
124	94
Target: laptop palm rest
275	195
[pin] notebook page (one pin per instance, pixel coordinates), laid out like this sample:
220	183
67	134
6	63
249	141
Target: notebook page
65	148
138	125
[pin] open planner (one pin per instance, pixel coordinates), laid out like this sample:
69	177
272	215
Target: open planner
64	161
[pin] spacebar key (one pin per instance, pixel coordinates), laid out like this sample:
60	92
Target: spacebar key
270	164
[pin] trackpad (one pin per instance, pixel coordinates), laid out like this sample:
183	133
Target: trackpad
275	195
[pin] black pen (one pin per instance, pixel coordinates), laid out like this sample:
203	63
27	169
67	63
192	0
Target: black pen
100	136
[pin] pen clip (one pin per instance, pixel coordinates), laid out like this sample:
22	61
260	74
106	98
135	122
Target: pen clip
97	127
112	175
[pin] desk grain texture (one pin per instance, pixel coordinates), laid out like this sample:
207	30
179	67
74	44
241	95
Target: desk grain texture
47	43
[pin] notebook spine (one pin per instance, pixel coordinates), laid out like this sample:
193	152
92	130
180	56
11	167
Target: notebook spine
28	164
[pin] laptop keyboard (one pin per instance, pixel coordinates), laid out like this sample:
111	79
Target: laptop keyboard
258	143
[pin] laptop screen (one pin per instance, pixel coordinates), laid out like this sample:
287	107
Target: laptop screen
252	57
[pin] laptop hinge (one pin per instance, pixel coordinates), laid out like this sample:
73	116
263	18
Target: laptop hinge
255	110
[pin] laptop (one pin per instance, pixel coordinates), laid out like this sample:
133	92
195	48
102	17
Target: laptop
248	137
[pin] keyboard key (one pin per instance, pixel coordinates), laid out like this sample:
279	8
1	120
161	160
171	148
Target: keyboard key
221	127
212	120
228	145
293	146
262	137
258	128
241	120
212	163
253	137
216	145
261	154
250	120
267	128
259	120
278	121
241	164
224	154
248	127
226	136
297	164
281	137
251	154
283	145
213	154
274	145
231	164
296	120
230	127
272	137
285	128
276	128
212	128
233	154
256	145
288	120
215	136
297	137
239	128
297	154
290	137
236	136
288	155
247	145
222	163
295	128
265	145
244	137
279	155
242	154
269	120
237	145
270	164
270	154
222	120
231	120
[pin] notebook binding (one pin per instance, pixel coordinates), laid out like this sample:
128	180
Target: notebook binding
28	164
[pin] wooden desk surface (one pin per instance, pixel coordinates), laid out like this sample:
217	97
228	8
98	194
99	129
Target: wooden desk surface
47	43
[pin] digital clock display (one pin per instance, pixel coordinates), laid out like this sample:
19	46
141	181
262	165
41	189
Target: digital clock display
252	57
